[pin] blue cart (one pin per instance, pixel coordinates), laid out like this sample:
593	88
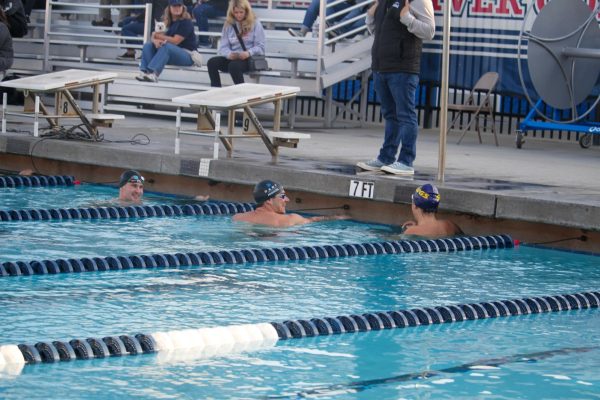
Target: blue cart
529	123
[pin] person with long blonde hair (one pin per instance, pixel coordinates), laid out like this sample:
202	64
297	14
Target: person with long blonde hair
232	57
174	46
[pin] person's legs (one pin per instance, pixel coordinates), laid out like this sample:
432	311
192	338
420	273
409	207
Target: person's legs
310	16
148	52
202	12
236	69
404	87
124	12
104	13
214	65
130	26
356	24
168	54
391	141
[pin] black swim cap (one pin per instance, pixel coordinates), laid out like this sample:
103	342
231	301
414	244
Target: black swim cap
130	176
265	190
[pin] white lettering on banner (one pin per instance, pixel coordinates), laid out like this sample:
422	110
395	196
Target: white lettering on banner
362	189
594	129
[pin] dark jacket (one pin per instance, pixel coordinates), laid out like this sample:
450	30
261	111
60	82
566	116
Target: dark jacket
6	48
394	49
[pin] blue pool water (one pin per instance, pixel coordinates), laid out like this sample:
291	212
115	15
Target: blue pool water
84	195
384	364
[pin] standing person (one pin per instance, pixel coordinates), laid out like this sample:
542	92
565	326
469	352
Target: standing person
6	46
399	27
174	46
205	9
270	210
425	203
134	25
232	58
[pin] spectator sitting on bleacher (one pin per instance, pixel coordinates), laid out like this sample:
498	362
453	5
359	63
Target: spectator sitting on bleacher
6	46
312	13
232	58
104	13
202	11
134	25
174	46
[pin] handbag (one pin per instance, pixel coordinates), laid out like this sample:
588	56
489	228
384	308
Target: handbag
256	62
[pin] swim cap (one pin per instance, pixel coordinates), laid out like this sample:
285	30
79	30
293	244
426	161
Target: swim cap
130	176
426	197
265	190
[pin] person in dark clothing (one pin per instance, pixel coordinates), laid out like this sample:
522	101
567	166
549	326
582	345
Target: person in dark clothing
174	46
202	11
134	25
15	16
6	46
399	27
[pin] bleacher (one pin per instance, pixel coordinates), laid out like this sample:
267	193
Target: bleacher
62	37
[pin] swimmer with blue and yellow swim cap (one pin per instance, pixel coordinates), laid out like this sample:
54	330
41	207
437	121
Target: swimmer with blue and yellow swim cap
425	203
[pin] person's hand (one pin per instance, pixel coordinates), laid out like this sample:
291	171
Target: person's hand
407	224
372	9
340	217
233	56
406	9
244	55
157	43
26	172
201	197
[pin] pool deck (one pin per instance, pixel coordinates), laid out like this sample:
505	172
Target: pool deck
550	182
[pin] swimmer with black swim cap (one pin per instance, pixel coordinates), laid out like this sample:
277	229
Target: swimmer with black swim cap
131	187
271	202
425	203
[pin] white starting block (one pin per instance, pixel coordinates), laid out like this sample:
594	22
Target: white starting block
234	99
61	84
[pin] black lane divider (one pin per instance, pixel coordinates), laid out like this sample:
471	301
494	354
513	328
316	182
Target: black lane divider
14	181
359	386
117	212
169	260
146	343
84	349
295	329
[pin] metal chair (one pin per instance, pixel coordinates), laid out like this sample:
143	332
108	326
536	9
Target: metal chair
478	103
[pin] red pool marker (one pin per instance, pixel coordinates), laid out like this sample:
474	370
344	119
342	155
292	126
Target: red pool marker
517	242
76	182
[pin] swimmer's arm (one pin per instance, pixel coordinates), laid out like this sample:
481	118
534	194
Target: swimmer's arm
321	218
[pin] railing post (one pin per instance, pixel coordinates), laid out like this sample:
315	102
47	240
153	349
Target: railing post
47	22
148	23
428	108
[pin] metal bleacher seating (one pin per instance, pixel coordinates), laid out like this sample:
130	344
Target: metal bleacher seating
62	37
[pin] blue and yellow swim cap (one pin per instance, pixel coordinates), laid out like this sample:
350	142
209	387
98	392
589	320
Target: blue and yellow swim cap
426	197
265	190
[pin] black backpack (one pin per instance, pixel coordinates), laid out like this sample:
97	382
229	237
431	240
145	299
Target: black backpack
15	14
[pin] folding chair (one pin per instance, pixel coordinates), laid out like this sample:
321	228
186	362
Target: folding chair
479	102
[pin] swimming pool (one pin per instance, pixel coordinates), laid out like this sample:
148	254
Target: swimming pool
448	361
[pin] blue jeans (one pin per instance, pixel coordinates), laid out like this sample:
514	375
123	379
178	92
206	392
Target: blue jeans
154	60
130	26
312	12
202	12
397	90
